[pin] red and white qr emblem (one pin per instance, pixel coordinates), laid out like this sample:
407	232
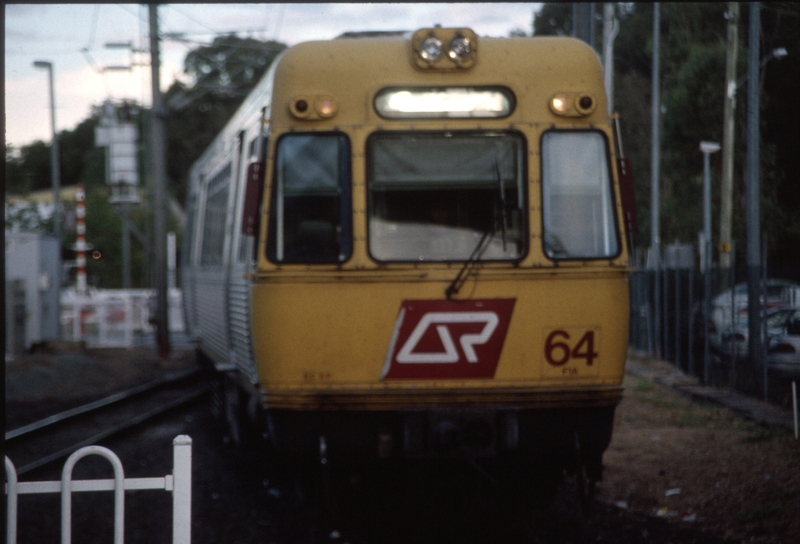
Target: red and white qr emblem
436	339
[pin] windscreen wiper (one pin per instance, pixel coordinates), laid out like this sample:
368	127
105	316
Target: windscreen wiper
483	243
503	204
475	256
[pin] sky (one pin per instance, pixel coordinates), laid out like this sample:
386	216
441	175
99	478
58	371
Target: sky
73	38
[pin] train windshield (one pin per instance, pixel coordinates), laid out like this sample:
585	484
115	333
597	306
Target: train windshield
577	203
310	208
434	196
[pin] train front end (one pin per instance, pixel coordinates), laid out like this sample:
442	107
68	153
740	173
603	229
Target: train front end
441	262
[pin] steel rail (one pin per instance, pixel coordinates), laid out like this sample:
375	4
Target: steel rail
108	403
100	403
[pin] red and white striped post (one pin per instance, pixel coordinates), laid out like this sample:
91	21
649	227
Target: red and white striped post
80	242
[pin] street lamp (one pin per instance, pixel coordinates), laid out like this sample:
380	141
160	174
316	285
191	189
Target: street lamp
777	53
707	148
55	176
726	205
55	173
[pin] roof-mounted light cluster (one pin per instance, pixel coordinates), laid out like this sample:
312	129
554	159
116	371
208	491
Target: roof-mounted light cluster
444	48
573	104
313	107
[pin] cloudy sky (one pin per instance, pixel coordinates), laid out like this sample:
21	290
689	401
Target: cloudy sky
74	36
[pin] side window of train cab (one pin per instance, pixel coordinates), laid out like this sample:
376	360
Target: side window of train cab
577	197
310	203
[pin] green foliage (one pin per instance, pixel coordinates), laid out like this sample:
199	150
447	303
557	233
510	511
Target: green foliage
554	19
223	72
692	58
29	170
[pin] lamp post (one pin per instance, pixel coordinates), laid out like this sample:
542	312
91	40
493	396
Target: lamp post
55	170
707	149
55	178
732	85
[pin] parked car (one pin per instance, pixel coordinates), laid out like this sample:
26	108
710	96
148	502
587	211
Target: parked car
784	349
729	308
735	339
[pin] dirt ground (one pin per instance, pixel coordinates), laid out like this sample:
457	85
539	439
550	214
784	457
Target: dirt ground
702	464
695	465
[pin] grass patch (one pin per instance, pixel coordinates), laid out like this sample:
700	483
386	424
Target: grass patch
642	384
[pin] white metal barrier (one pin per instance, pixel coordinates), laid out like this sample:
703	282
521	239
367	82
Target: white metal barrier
114	318
179	483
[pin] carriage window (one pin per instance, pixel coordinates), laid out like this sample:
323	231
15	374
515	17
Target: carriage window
310	208
437	196
576	196
214	217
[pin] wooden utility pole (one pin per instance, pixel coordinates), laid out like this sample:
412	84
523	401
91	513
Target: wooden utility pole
728	136
158	156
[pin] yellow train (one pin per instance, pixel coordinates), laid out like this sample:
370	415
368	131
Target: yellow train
413	245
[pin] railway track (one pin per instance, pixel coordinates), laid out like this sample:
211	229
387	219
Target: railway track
56	437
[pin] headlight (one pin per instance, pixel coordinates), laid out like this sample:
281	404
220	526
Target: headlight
313	108
569	104
560	104
459	49
326	107
431	49
427	48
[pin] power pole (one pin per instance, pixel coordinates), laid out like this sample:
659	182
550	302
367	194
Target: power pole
655	113
655	158
728	136
753	195
158	156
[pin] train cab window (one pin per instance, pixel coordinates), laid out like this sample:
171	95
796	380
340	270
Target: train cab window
577	202
446	196
310	204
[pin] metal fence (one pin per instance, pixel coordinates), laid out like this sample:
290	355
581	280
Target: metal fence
179	483
684	315
115	318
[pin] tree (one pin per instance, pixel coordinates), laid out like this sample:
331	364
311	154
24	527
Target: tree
222	75
692	90
553	19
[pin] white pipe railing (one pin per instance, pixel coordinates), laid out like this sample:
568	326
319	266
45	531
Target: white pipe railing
179	483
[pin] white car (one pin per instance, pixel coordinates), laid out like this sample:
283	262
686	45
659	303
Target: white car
735	339
783	350
729	308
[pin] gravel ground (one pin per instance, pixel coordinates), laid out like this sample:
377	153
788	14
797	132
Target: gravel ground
676	471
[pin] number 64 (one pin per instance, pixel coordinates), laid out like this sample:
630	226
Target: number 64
558	351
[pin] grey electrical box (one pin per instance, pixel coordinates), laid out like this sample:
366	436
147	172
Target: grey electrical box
32	282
